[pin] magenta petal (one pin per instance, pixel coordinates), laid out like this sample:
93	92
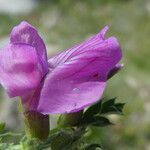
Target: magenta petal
27	34
19	69
90	44
66	96
77	77
96	59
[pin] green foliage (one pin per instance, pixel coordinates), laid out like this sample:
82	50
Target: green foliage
95	115
93	110
69	138
4	134
5	146
110	107
2	127
99	121
73	138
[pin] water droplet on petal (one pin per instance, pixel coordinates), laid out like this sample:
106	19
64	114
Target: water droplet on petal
76	89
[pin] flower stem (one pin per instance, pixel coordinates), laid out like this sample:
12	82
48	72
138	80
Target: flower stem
36	125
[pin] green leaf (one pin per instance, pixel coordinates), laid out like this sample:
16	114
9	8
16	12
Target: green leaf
110	107
94	109
120	106
2	126
10	134
96	120
100	121
109	102
94	114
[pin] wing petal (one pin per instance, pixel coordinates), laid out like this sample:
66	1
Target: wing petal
26	34
20	70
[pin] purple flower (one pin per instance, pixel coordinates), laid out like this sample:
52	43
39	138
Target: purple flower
67	82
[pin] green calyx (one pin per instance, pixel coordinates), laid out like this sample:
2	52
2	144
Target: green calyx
36	124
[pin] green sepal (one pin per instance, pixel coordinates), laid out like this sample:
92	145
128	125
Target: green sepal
110	107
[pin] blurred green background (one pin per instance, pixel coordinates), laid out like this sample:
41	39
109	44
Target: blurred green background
63	23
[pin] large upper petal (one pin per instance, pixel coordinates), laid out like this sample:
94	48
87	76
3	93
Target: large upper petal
77	77
89	44
20	70
27	34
